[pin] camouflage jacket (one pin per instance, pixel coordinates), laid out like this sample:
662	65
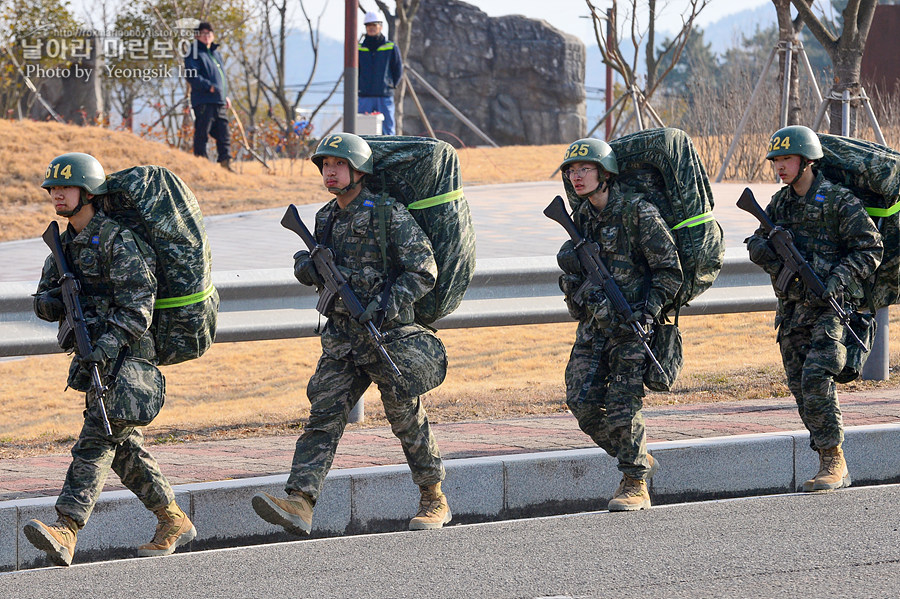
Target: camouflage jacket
118	287
636	245
355	238
833	233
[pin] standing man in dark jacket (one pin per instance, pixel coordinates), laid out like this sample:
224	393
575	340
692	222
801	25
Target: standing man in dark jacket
380	69
205	71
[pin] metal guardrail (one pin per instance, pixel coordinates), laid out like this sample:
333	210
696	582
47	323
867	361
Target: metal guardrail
270	304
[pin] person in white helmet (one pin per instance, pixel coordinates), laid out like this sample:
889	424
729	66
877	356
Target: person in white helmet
380	70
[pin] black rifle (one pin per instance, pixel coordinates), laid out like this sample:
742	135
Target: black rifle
75	323
597	273
334	283
793	266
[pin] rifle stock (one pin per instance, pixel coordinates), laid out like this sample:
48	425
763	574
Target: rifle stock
794	266
334	283
589	256
75	323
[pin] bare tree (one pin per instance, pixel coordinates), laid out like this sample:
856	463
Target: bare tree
400	25
788	35
642	41
845	51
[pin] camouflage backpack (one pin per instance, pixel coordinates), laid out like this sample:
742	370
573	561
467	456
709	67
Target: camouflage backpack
663	165
163	212
423	174
872	173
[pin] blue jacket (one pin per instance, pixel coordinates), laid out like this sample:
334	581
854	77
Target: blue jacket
210	72
380	66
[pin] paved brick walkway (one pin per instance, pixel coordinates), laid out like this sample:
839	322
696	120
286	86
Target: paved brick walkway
221	460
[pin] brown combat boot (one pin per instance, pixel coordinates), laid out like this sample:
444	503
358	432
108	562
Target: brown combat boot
834	473
56	540
293	514
433	509
654	466
631	495
173	530
807	486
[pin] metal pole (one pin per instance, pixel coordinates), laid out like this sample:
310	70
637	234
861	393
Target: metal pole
609	77
845	113
451	107
820	114
812	79
351	66
637	107
415	99
871	113
743	123
786	88
877	366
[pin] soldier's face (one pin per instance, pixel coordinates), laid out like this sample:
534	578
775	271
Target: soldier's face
65	199
786	167
335	172
584	177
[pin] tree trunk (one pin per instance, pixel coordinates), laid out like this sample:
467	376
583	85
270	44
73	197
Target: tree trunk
787	32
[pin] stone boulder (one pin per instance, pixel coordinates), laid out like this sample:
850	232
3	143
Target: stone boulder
519	80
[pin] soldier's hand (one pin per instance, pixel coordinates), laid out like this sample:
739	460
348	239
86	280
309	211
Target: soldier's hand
640	317
305	270
49	305
567	258
370	312
832	287
98	357
761	251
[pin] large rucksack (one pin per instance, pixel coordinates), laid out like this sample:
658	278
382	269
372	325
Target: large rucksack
872	173
663	165
424	175
160	208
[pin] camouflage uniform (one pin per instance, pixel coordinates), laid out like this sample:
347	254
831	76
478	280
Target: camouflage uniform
604	376
833	232
118	292
350	362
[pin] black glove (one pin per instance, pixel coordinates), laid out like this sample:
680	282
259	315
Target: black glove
305	270
567	258
98	357
832	287
370	312
49	305
645	319
761	251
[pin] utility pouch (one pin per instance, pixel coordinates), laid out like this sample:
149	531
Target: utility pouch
421	358
667	347
136	395
863	324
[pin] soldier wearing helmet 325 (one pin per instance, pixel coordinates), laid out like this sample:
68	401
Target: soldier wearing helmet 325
835	235
389	263
604	376
118	289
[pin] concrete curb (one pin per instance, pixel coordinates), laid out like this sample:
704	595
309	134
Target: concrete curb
378	499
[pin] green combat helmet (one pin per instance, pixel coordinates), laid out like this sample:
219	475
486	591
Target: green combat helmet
352	148
77	170
795	140
591	150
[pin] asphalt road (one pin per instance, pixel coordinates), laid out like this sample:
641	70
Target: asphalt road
838	544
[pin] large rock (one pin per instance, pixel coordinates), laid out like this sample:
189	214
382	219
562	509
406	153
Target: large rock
520	80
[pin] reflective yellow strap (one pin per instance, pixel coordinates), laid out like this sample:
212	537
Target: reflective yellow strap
695	220
184	300
884	212
450	196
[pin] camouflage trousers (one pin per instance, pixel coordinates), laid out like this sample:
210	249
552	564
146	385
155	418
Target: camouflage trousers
95	453
333	390
605	392
812	355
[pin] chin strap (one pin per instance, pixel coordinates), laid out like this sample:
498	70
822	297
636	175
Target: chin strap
82	200
339	191
804	163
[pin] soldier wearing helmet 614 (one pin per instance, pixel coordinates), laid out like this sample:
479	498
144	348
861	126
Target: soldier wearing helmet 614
389	263
118	290
835	235
604	376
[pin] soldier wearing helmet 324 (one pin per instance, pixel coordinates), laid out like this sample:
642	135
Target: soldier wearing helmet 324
604	376
118	288
835	235
389	263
